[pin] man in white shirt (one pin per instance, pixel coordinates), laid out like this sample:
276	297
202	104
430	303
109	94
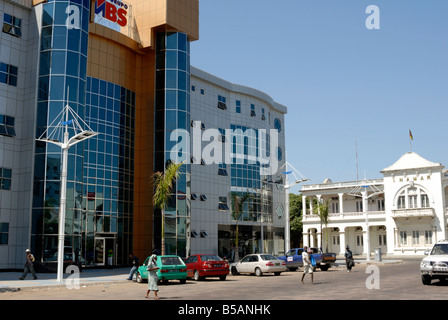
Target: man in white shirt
307	266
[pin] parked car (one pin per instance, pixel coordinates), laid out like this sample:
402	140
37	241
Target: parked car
293	259
201	266
435	265
258	264
171	268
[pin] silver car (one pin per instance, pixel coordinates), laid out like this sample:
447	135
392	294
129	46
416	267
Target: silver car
259	264
435	265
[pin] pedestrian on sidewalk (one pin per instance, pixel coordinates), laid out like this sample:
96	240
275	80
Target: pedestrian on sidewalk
29	265
110	258
135	264
307	266
152	275
349	261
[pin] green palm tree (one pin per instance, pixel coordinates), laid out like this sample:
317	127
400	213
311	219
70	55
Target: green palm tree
322	212
163	187
237	202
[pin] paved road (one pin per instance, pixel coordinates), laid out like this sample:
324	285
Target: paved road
394	281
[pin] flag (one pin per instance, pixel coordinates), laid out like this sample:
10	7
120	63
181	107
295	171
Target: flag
410	135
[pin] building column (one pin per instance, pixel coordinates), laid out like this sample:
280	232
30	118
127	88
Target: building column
342	242
303	206
311	206
305	237
319	238
341	203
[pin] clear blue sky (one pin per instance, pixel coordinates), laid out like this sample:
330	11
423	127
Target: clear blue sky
340	81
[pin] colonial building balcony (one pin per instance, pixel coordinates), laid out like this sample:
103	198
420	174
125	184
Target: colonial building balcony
347	216
413	213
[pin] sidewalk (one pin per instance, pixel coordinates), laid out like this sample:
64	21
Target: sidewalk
9	281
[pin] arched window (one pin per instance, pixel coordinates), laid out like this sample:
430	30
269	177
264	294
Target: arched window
412	197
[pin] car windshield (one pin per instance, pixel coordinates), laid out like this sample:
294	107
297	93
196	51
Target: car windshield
441	248
169	261
210	258
291	253
267	257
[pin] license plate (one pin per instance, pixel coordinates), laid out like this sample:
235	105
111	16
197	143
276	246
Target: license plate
440	269
277	263
217	265
174	270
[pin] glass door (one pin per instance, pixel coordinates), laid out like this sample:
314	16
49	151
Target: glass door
100	254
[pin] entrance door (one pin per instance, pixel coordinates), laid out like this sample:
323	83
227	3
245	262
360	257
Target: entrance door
100	251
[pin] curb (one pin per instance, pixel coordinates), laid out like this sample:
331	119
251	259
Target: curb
82	284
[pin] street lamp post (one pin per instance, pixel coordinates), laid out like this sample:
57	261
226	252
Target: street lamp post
53	135
298	178
362	191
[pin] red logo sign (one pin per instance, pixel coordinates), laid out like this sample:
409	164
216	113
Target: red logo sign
114	11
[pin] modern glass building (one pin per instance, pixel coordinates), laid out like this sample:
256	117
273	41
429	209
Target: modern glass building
124	68
249	123
173	113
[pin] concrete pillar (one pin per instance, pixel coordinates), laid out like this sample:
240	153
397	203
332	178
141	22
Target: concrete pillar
303	206
342	242
341	203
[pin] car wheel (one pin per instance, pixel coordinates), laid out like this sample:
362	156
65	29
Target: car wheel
324	268
277	273
139	277
292	269
234	271
426	280
183	281
222	278
258	272
196	276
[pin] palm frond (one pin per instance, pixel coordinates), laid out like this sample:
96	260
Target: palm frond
163	184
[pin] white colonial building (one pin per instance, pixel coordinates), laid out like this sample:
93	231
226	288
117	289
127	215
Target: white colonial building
402	214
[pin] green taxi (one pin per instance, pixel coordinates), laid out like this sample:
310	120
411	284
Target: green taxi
171	268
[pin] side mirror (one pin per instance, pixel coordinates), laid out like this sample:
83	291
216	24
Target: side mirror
426	252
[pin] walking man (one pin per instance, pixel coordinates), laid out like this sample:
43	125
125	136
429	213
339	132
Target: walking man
29	265
307	266
349	261
135	264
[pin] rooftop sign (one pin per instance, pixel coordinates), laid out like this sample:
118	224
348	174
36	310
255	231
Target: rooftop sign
111	14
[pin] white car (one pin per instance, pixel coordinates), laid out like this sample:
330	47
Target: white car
259	264
435	265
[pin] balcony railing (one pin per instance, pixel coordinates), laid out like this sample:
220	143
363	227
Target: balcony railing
345	215
416	212
346	184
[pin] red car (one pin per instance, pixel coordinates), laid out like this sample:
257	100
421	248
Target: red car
200	266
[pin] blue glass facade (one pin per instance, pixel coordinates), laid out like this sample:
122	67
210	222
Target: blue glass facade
108	170
173	112
62	79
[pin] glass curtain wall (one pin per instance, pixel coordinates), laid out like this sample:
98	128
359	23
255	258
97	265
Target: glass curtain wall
245	174
108	170
62	80
173	113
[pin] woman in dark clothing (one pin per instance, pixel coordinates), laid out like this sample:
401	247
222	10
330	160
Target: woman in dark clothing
349	261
